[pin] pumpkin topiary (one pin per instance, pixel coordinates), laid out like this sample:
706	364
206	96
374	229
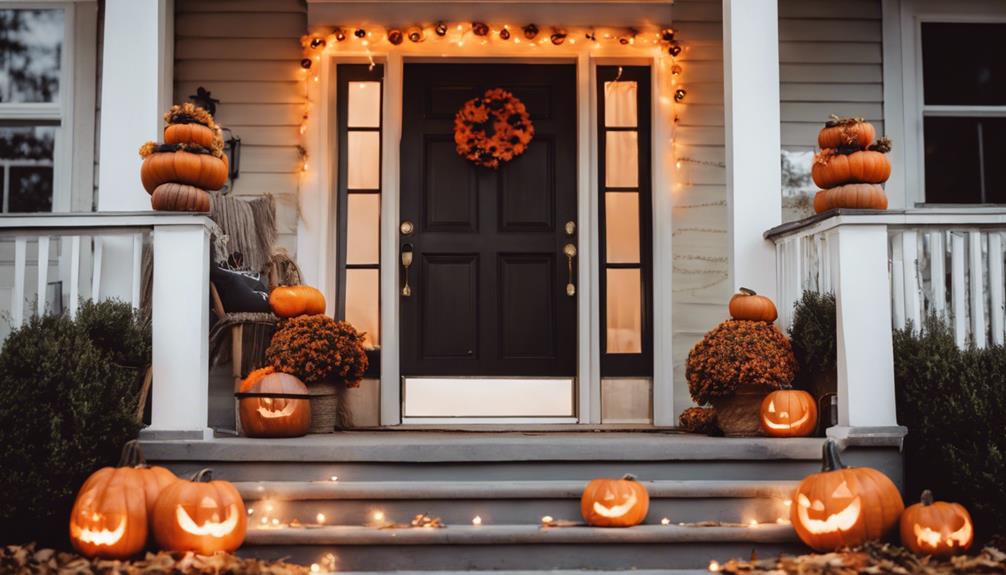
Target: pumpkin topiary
173	197
200	515
788	413
857	196
936	528
316	349
846	132
748	305
614	502
844	506
832	168
190	124
181	164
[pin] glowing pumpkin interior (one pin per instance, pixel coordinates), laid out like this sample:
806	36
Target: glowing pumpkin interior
780	418
615	509
93	528
275	408
843	520
217	525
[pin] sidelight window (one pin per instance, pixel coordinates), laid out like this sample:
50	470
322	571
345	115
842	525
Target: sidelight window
625	221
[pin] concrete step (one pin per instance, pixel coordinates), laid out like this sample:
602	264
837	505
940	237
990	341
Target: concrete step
519	547
506	502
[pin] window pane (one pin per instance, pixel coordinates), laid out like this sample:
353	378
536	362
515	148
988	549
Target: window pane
364	105
621	161
363	222
364	161
624	311
963	63
31	46
362	303
26	162
620	104
956	151
621	227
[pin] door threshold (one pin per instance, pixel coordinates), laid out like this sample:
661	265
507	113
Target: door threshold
528	428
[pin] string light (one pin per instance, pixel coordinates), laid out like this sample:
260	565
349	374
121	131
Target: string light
477	520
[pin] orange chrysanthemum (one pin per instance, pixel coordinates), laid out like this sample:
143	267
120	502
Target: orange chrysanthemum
316	348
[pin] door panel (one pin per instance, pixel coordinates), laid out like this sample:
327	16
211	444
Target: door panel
489	291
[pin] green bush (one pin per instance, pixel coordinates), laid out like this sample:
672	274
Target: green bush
68	396
954	404
813	335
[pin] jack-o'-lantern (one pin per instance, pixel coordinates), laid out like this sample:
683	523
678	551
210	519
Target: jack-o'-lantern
844	506
614	502
111	513
274	404
936	527
788	413
292	301
748	305
200	515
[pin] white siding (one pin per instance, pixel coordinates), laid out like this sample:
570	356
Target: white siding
701	289
246	53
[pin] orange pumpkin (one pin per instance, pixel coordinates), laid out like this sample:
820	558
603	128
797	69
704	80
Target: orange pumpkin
832	168
846	132
173	197
189	134
274	404
750	306
788	413
821	203
936	527
204	171
110	516
292	301
614	502
844	506
857	196
200	515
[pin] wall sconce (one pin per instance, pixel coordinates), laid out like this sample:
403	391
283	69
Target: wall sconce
232	147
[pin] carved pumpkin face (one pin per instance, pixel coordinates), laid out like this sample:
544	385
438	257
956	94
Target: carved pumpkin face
110	515
614	502
788	413
200	515
748	305
936	527
844	506
278	406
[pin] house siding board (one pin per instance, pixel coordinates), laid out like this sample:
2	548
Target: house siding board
245	52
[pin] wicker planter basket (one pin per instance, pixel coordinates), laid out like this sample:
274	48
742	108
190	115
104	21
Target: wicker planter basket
738	415
324	407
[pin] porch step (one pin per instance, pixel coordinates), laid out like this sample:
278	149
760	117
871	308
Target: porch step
507	502
519	547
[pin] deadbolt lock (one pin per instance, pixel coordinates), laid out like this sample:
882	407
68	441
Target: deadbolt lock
407	228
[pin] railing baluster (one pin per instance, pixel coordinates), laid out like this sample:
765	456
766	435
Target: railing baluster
938	273
996	287
137	269
977	285
43	274
957	293
17	294
74	275
910	259
897	280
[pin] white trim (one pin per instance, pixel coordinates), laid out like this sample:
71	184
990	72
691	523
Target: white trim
894	105
488	398
588	330
394	78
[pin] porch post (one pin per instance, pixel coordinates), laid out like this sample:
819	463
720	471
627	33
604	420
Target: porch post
751	103
136	89
865	348
180	393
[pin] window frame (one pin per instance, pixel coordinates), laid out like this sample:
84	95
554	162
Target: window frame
345	75
627	364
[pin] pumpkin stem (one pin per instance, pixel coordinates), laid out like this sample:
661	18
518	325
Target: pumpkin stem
629	477
203	476
927	498
747	291
831	460
132	455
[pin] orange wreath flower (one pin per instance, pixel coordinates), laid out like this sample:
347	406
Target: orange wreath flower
493	128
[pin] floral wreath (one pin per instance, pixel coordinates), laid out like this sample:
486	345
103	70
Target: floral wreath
493	128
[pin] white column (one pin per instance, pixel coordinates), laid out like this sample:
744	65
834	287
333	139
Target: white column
751	102
180	332
136	90
865	348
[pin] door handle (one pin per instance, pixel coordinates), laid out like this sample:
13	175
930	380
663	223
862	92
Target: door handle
406	263
570	251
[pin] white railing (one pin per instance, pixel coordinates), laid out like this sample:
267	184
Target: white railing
887	269
98	256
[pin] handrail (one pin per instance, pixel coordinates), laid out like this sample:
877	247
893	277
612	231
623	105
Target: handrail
971	217
64	222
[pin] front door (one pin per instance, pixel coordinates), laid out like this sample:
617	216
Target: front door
488	295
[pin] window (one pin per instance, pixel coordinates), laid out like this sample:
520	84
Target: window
359	203
625	220
32	72
964	112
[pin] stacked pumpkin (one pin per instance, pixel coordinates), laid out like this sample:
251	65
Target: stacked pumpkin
851	166
191	160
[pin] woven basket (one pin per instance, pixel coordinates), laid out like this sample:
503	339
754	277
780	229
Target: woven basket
324	407
739	414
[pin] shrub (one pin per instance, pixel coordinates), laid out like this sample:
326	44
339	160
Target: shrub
68	396
739	353
316	348
813	333
953	402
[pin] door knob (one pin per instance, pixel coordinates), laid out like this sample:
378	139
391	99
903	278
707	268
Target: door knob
406	228
406	263
570	251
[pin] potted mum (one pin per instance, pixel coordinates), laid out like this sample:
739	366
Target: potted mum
734	367
323	353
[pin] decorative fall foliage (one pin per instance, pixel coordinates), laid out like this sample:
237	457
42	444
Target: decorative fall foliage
699	420
317	348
